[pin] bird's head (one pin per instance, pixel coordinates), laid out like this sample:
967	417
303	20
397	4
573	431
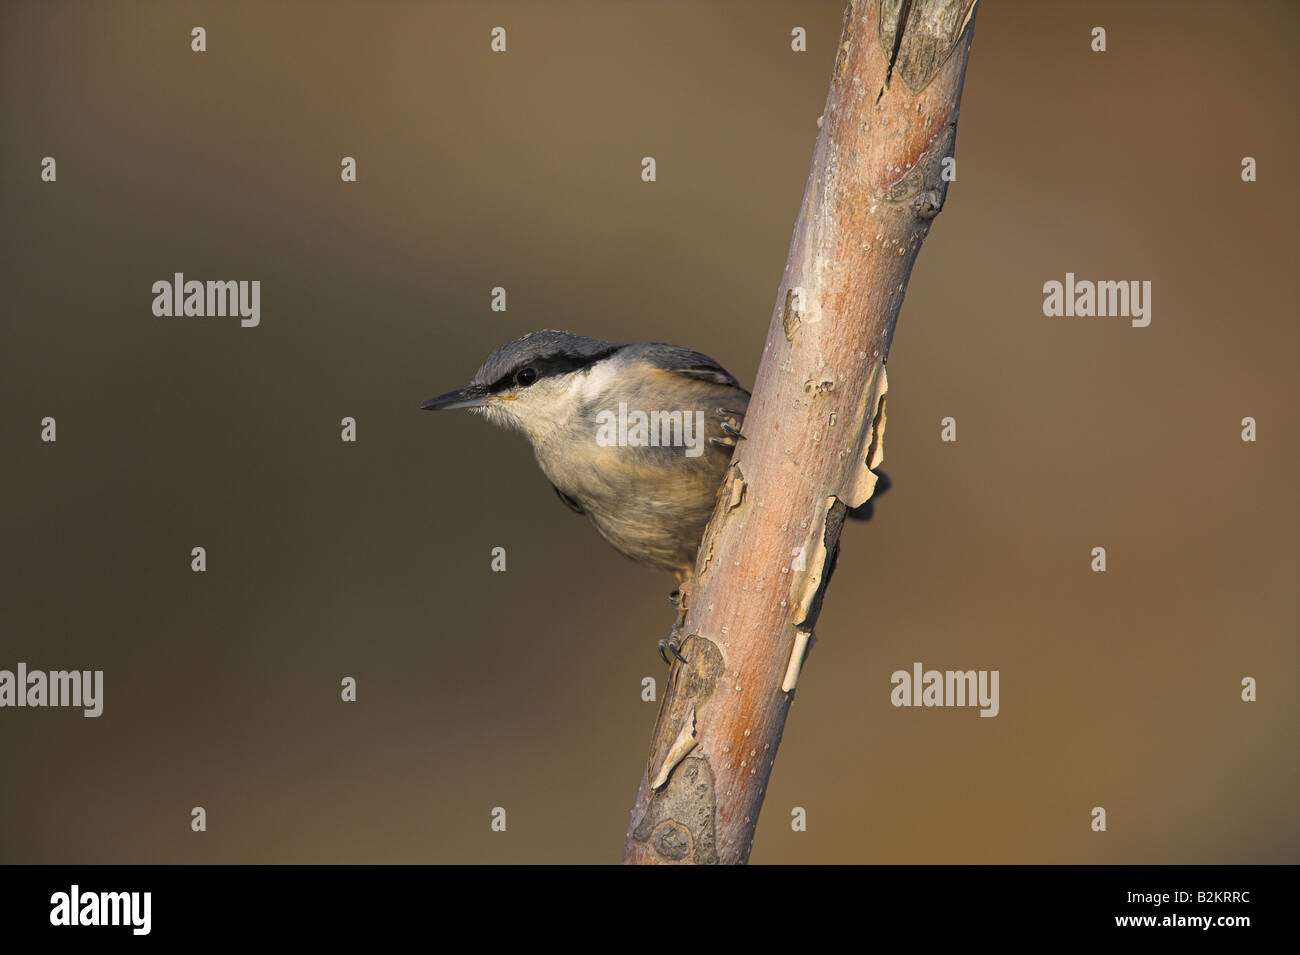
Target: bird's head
528	384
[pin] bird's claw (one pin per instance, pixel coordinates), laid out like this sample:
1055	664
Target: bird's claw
670	645
732	430
731	423
673	642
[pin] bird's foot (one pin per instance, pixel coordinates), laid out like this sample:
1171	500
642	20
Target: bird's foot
673	642
731	423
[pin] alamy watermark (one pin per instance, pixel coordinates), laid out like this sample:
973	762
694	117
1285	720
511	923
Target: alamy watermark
76	907
946	688
653	429
196	299
75	688
1084	298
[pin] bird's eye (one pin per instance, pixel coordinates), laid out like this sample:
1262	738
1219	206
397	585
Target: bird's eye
526	377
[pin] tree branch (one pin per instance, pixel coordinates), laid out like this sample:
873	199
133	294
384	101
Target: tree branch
813	428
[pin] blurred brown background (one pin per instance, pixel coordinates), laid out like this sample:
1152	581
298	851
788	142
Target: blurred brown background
521	689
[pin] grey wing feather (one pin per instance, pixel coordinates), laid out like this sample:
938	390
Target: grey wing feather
692	364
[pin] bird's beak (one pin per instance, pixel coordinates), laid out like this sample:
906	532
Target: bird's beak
471	396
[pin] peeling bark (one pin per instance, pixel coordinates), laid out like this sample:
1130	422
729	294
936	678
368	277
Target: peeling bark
814	428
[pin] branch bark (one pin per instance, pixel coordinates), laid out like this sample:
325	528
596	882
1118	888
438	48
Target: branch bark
814	428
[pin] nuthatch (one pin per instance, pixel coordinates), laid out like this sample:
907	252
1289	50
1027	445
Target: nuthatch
637	437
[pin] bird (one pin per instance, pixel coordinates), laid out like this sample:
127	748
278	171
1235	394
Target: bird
637	437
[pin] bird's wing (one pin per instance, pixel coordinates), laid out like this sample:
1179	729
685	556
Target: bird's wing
692	364
569	502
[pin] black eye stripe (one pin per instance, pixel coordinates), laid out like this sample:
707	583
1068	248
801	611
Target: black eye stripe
550	365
